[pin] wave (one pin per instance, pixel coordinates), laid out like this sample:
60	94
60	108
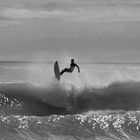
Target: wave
98	125
25	98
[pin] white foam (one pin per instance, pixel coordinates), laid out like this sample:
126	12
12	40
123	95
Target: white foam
91	75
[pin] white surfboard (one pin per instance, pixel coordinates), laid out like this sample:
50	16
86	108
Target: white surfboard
56	71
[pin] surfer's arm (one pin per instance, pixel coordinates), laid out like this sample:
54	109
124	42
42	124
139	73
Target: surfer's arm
77	67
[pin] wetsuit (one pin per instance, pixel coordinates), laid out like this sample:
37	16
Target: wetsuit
72	66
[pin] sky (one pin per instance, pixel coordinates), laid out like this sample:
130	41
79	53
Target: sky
87	30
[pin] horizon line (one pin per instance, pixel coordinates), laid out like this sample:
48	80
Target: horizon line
51	61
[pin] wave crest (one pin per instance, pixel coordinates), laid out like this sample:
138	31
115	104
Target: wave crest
56	99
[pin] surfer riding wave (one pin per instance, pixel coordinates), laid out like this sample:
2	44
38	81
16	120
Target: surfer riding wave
72	66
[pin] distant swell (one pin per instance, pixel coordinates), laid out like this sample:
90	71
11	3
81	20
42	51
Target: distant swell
26	99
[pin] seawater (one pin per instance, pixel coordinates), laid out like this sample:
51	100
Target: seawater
101	102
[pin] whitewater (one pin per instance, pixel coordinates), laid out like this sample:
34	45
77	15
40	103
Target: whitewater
102	102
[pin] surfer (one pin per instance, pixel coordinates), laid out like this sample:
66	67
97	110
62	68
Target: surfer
72	66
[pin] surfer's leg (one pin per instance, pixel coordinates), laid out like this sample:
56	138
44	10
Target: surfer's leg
62	72
65	70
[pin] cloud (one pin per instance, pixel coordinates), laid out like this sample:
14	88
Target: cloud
106	14
75	11
11	13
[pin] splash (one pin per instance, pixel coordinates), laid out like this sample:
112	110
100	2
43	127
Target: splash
91	75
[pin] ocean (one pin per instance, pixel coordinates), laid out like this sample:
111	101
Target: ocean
102	102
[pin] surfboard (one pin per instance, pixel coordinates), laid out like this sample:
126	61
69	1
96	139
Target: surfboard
56	71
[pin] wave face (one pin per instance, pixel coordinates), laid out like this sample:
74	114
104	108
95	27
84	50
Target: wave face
102	102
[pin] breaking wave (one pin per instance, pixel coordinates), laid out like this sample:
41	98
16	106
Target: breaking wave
101	103
25	98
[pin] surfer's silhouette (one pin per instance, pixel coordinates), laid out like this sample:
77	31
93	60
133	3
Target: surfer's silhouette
72	66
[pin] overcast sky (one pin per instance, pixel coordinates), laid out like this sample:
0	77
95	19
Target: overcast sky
88	30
